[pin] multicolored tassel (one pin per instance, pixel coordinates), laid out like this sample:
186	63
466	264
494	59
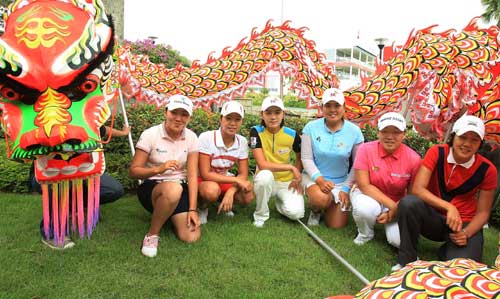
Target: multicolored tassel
73	206
90	206
64	209
46	211
97	197
68	194
79	209
55	214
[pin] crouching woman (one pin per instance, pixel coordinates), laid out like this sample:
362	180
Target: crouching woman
453	194
166	158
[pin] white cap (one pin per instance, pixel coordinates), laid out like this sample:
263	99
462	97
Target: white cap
180	102
392	119
271	101
469	123
232	107
333	94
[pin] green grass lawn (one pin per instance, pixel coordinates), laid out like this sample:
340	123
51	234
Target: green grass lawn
233	259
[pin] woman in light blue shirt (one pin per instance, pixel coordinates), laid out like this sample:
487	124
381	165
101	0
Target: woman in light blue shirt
328	144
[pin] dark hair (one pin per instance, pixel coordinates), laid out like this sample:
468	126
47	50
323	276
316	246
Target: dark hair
452	136
450	139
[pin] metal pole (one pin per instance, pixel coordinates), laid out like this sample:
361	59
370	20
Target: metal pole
335	254
381	52
125	120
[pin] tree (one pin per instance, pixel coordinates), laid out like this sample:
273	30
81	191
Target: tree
492	11
158	53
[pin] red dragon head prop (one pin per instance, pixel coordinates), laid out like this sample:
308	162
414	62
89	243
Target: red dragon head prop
55	57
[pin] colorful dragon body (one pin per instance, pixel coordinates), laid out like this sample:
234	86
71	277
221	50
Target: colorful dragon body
437	77
457	278
282	48
54	59
434	76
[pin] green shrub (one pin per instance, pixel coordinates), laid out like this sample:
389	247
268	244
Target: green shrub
495	217
291	100
13	175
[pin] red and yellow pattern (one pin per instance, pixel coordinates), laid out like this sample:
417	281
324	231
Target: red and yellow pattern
458	278
275	48
54	58
436	77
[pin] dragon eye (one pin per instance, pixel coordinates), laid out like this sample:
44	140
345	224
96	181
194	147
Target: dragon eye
90	84
9	94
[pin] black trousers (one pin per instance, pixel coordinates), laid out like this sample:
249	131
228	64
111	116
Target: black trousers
416	218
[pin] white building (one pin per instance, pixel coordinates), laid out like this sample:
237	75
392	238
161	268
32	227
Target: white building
350	62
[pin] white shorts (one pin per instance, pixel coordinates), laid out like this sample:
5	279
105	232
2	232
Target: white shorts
308	182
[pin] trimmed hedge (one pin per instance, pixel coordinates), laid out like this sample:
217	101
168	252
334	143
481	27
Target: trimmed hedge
14	176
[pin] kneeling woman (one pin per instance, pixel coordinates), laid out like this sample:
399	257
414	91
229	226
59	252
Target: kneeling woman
328	144
220	150
167	158
272	144
384	170
453	193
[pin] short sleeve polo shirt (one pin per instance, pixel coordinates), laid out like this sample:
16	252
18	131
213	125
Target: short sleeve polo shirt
390	173
222	158
160	148
332	150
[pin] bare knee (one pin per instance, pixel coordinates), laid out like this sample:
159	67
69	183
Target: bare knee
209	191
335	223
189	236
335	218
244	198
317	199
167	192
185	233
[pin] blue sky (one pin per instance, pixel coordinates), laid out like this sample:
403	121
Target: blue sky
197	27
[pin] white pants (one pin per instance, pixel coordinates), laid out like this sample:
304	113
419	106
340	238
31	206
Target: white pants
365	211
288	203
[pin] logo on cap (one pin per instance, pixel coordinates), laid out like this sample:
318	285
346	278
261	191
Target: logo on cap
392	119
333	94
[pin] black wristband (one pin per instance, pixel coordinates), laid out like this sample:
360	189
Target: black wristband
193	210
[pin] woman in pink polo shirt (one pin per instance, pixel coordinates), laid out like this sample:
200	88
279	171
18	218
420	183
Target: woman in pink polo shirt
220	150
383	170
166	158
